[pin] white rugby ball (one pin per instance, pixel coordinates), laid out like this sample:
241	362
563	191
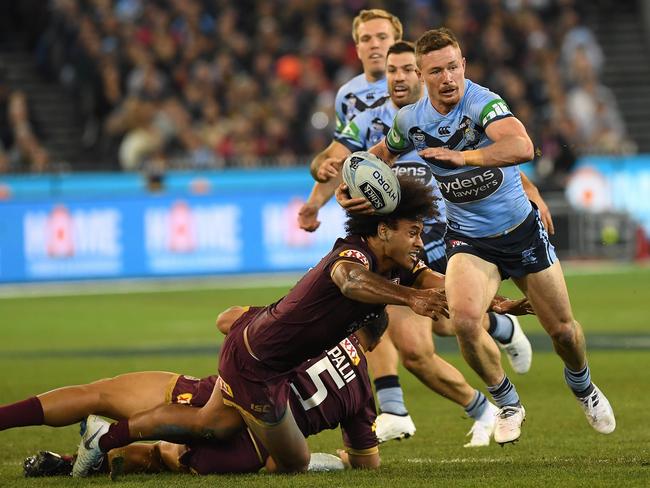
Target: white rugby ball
368	176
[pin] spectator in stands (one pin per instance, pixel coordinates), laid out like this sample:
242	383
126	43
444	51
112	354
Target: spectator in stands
593	108
20	148
202	83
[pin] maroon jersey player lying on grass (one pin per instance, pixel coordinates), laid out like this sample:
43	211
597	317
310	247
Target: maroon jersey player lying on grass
326	391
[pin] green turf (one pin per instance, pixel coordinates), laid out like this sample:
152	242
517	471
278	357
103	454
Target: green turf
557	447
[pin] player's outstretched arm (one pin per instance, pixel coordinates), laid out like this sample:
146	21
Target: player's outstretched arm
357	283
511	146
319	196
532	192
429	279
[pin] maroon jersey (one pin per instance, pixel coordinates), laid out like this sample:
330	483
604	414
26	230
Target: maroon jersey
315	315
330	390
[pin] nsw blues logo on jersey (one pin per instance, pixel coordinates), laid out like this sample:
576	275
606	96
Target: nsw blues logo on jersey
466	135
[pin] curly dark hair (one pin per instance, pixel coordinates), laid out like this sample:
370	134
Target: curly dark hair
375	325
416	203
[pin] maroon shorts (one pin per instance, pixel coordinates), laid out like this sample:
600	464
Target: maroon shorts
240	454
187	390
258	392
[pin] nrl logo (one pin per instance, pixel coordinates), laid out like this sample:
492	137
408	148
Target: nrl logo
354	162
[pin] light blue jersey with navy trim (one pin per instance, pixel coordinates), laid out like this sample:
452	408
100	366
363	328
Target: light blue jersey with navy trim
370	127
480	201
358	95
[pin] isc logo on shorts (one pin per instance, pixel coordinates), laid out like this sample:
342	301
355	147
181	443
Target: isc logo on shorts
260	408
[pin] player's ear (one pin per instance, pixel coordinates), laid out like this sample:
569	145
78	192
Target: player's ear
382	232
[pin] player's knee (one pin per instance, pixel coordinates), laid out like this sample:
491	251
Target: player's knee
206	424
466	325
415	359
214	425
564	332
226	318
298	463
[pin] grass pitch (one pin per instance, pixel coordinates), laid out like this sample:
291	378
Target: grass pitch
49	342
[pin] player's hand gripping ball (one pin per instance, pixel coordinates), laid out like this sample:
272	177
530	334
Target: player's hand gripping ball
369	177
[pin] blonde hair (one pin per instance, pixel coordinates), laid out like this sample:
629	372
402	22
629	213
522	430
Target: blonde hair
376	13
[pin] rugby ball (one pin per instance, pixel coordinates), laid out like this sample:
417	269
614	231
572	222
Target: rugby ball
369	177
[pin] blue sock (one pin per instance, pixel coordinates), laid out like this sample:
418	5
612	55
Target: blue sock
477	406
501	327
390	396
504	393
579	381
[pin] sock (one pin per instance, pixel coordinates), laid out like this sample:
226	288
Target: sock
477	406
504	393
501	327
21	414
390	395
579	381
117	436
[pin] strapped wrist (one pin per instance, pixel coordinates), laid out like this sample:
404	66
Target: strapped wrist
473	157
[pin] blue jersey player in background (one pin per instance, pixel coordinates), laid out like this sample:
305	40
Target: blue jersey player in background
472	143
373	31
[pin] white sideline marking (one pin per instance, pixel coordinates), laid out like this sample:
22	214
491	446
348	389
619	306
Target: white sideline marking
230	282
166	285
457	460
623	460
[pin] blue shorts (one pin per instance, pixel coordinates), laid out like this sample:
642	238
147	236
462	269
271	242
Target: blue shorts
524	250
433	237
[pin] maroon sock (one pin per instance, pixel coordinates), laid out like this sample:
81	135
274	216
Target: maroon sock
21	414
117	436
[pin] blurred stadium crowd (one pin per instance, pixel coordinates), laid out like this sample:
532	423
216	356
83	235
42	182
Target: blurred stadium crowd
214	83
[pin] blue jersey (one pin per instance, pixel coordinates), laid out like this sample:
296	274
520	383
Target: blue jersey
355	96
480	201
370	127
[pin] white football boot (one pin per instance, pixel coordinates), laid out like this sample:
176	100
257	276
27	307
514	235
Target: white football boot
323	462
508	424
483	427
518	350
89	455
389	426
598	411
